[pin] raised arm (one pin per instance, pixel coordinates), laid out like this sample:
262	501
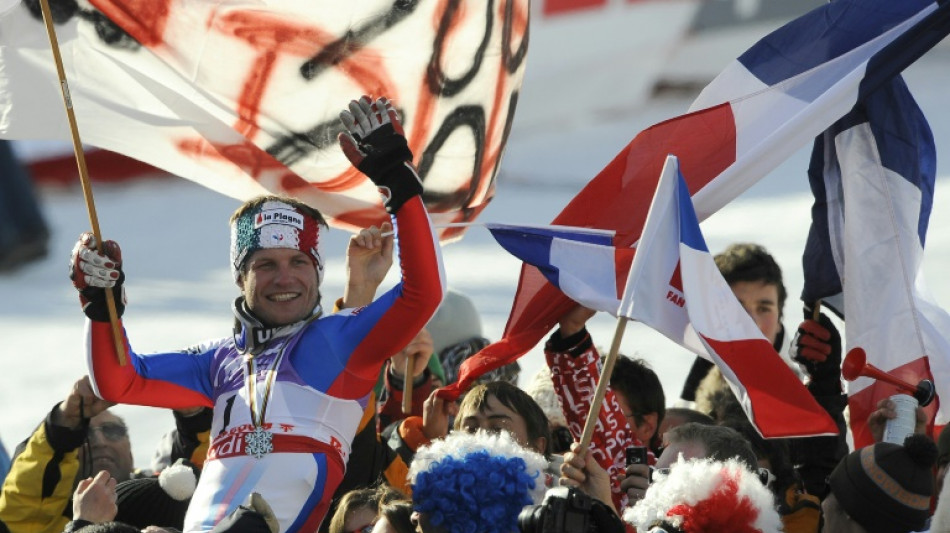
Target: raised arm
375	143
575	370
174	380
369	256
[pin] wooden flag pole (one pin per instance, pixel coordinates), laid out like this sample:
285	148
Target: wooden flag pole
407	386
605	374
83	172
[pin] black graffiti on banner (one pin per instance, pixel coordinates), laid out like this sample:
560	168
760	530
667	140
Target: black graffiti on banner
294	146
354	40
512	60
467	116
438	82
509	120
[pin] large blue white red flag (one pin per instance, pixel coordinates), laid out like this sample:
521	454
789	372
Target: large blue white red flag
242	96
773	99
675	287
872	174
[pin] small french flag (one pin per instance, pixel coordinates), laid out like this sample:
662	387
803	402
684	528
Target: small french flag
676	288
582	262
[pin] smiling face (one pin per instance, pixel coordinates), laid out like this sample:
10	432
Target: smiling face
280	285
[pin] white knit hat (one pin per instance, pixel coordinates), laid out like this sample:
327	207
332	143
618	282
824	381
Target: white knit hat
541	389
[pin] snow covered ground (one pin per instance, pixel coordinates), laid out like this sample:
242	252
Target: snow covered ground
175	244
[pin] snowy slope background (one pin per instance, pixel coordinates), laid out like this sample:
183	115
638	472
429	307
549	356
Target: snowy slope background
174	236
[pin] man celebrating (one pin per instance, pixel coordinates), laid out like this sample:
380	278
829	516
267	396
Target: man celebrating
288	386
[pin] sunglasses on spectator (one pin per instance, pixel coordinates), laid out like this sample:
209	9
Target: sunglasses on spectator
365	529
111	432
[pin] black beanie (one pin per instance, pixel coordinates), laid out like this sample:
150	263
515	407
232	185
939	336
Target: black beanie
887	487
157	500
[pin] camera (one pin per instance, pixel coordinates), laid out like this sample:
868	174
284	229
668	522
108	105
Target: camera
568	510
636	455
564	509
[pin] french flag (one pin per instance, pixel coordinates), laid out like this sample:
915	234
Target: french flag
675	287
775	98
582	262
872	175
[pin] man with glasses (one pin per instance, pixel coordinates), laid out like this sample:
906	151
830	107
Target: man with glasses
79	438
109	447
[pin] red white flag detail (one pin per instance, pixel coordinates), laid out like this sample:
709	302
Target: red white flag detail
774	98
675	287
873	174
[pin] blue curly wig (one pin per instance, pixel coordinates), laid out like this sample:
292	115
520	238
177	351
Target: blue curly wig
476	483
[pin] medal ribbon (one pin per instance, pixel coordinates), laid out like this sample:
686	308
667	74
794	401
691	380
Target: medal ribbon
251	372
251	380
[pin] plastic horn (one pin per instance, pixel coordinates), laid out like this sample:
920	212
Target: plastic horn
856	365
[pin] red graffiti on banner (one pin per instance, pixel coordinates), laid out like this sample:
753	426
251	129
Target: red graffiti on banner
467	92
272	36
144	20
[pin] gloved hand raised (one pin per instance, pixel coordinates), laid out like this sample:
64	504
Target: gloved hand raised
817	346
375	143
92	273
